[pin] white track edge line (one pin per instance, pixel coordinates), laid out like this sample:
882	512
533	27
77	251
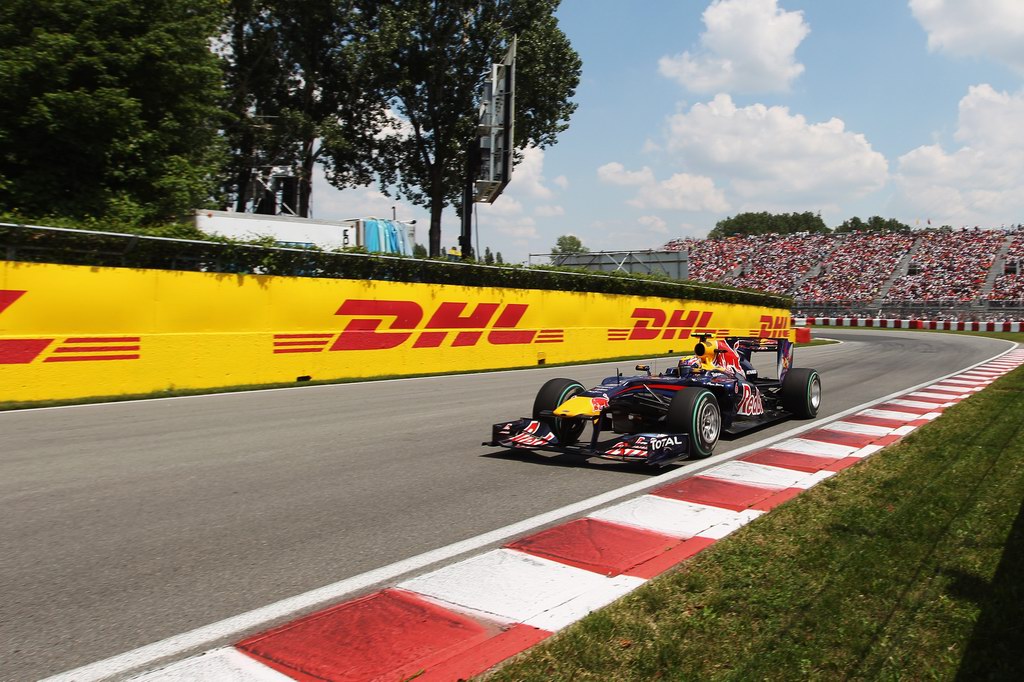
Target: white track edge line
135	659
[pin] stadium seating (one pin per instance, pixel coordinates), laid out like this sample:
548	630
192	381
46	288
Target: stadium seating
1010	285
949	270
948	266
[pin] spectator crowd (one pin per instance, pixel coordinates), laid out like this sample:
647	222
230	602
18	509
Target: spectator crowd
711	260
857	268
948	266
1010	285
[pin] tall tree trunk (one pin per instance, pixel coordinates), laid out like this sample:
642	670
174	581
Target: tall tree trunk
306	177
243	172
436	207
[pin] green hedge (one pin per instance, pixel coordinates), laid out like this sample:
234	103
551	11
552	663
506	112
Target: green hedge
77	247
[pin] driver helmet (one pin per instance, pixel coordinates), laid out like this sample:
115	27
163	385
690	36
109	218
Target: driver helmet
688	365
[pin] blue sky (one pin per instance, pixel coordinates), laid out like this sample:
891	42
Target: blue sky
691	111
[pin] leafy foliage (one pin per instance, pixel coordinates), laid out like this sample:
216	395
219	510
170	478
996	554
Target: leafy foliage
73	247
438	55
568	244
745	224
109	109
137	111
874	224
302	90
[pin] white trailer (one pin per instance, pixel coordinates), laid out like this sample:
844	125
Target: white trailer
374	234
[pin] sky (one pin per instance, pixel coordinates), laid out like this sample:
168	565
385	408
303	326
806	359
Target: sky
691	111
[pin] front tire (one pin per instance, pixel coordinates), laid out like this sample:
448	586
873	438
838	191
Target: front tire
801	392
695	412
552	394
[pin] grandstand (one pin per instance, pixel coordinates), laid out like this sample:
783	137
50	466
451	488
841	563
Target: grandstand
936	273
1008	288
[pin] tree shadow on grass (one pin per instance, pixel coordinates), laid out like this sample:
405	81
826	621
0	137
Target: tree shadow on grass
996	648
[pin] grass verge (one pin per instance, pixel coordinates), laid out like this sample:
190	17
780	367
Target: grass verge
907	566
179	392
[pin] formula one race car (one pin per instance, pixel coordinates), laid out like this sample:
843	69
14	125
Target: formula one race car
678	413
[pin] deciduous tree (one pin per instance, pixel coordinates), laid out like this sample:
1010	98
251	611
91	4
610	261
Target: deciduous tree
568	244
109	108
438	55
744	224
304	89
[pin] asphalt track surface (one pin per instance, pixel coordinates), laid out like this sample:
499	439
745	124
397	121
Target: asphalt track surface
126	523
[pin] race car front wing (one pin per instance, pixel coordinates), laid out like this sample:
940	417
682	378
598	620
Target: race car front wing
650	448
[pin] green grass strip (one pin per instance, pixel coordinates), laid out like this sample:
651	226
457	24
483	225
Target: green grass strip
907	566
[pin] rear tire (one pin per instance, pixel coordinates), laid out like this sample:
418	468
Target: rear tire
552	394
695	412
801	392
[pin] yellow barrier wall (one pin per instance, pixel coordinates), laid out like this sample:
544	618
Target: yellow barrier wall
71	331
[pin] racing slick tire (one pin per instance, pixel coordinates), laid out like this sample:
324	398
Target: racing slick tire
695	412
801	393
552	394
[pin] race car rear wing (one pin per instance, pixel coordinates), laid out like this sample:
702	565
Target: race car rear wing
746	346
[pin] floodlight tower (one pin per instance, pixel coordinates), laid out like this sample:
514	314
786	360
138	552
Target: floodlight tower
489	158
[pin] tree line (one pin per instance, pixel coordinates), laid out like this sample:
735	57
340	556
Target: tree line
754	223
751	223
136	111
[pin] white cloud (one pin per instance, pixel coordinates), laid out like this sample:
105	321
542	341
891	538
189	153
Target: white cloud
505	205
987	28
561	182
980	182
775	159
507	233
615	173
528	176
682	192
330	203
747	46
506	221
993	120
548	211
522	230
653	224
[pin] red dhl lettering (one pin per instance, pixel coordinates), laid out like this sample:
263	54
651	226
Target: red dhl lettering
382	325
774	326
8	297
18	351
655	323
74	349
21	351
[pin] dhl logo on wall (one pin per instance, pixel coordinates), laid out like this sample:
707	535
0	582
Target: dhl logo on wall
71	331
71	349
